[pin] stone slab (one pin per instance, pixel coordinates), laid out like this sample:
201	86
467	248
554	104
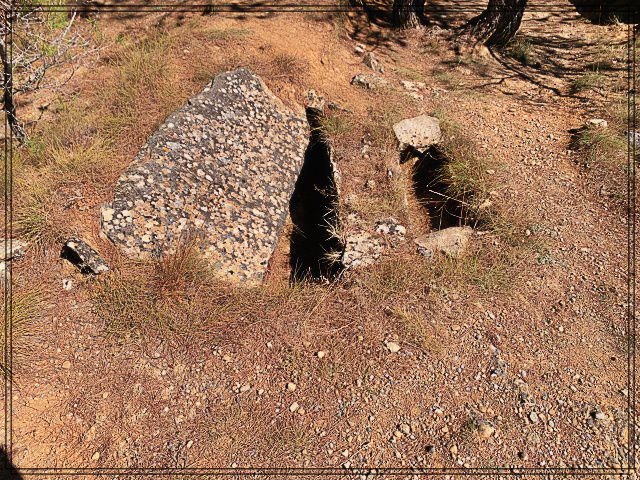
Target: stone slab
221	169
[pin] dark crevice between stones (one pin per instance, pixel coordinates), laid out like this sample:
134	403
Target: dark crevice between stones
72	256
314	246
432	188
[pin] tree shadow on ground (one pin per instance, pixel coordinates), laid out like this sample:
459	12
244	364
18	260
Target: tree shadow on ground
7	470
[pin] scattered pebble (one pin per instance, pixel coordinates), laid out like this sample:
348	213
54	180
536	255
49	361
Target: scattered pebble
393	347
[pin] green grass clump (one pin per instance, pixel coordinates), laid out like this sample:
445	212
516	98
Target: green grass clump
522	50
601	146
466	171
587	81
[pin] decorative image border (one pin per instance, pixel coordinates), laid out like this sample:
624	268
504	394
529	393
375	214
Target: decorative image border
319	6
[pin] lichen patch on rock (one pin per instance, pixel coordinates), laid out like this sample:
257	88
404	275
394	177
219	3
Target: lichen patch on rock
220	169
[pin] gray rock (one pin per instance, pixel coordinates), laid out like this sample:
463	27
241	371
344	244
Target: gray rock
12	249
597	122
373	63
370	82
361	249
413	86
9	251
451	241
390	226
83	256
227	184
419	132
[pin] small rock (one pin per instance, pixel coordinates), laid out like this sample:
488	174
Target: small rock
597	122
373	63
370	82
245	388
454	450
485	430
451	241
321	354
361	249
83	256
359	48
418	133
405	428
95	456
294	407
67	284
413	86
12	249
634	136
393	347
291	387
390	226
533	416
190	444
600	416
66	364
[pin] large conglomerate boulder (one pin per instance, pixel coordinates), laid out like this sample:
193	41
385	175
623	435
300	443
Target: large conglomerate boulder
219	170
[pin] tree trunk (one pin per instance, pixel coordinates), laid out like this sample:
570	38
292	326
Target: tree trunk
8	104
406	13
499	23
606	12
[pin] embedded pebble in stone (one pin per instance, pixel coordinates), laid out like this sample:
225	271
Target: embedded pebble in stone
220	170
291	386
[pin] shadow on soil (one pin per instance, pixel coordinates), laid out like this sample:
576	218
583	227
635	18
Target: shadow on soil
314	244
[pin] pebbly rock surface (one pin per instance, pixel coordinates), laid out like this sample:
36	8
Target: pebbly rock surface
452	241
418	133
219	170
83	256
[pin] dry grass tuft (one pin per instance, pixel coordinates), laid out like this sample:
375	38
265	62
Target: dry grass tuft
175	273
522	50
36	216
287	67
469	175
417	329
587	81
27	306
141	86
601	146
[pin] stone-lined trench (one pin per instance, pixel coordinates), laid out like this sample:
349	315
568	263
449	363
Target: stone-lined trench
315	247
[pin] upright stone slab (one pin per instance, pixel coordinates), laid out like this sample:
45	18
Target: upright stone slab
222	169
